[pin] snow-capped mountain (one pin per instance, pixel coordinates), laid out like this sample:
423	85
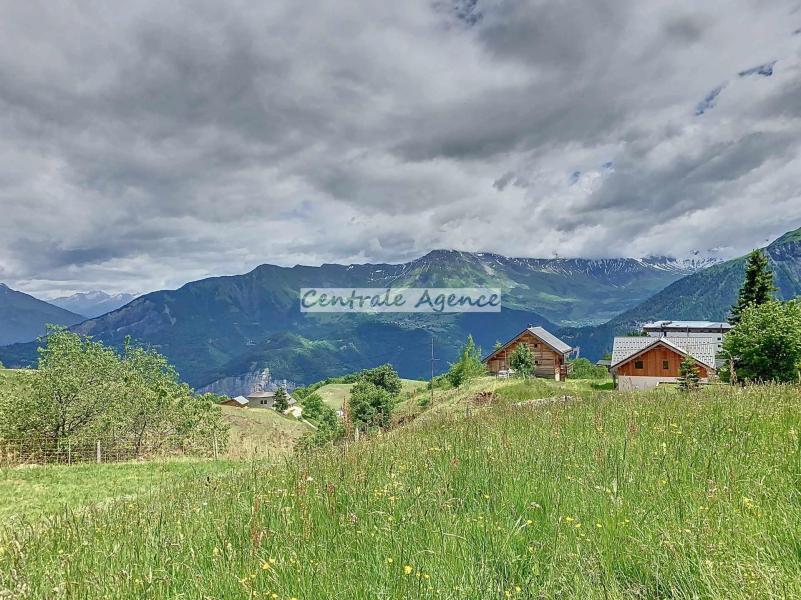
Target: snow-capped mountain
92	304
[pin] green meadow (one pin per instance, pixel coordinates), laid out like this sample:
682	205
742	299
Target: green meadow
335	394
598	495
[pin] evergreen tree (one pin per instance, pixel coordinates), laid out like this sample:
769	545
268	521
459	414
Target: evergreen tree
468	366
757	287
281	401
689	377
522	360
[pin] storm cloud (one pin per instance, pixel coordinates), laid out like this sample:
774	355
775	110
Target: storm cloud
146	144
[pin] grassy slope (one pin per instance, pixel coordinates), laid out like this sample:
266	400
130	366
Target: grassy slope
334	394
261	433
615	496
28	494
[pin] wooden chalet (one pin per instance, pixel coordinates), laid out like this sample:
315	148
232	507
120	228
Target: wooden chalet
550	353
645	362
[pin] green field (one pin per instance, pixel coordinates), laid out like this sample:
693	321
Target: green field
31	493
261	433
657	495
334	394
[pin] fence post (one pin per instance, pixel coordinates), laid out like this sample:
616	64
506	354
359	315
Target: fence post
216	449
69	452
98	451
356	436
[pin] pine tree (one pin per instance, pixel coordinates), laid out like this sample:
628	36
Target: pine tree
757	287
469	365
281	401
689	378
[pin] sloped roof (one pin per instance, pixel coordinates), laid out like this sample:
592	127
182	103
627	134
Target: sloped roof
550	339
687	325
701	349
253	395
546	336
240	400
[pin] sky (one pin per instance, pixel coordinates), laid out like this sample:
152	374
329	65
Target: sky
147	144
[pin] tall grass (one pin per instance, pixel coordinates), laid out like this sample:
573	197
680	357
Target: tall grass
656	495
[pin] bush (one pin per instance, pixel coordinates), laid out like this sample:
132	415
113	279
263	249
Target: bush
370	404
84	389
585	369
384	377
313	406
522	360
766	342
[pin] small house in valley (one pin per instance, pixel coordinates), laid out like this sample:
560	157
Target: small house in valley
550	353
644	362
239	402
257	400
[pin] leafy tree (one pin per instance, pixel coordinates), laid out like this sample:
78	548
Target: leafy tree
369	404
766	342
329	430
584	369
281	400
151	393
313	406
384	377
469	365
83	388
689	376
78	382
522	360
758	286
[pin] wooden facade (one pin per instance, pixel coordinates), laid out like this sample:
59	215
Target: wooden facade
658	361
547	361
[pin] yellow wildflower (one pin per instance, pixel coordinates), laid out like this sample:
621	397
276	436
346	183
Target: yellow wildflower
407	569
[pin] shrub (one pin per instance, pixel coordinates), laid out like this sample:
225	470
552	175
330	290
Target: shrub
370	404
522	360
313	406
766	342
384	377
585	369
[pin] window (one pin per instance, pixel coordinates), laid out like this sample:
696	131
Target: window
536	362
638	364
264	401
666	364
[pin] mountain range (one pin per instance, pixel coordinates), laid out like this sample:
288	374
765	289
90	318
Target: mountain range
92	304
706	295
23	317
226	327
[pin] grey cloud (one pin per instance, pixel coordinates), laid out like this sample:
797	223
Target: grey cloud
144	144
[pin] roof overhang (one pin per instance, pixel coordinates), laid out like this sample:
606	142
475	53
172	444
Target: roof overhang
513	339
661	342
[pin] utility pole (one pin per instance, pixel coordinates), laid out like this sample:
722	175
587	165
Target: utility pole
432	369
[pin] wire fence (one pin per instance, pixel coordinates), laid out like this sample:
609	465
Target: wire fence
40	450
